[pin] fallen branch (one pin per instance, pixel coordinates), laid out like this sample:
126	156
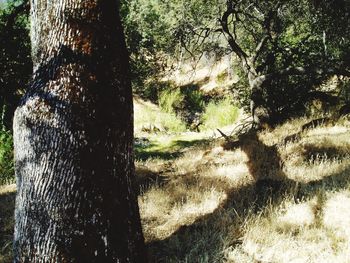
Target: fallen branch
227	138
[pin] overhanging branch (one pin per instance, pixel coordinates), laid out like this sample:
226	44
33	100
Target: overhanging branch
230	38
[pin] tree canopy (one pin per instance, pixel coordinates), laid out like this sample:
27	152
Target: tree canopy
289	48
15	60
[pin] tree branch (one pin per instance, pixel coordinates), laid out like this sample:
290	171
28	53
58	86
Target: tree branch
230	38
259	47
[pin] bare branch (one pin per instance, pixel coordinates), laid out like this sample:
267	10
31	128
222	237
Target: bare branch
259	47
230	38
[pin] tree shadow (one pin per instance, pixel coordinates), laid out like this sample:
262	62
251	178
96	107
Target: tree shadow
145	179
311	124
7	206
315	152
271	184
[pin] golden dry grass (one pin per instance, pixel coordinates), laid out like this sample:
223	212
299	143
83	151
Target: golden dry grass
269	200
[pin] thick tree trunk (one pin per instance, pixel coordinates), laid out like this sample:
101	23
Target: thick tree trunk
259	112
73	137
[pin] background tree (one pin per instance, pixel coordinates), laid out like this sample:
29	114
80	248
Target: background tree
281	54
162	35
73	137
15	61
287	48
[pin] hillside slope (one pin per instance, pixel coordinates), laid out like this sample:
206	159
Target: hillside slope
273	196
276	196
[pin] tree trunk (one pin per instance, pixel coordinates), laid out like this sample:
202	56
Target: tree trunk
73	137
258	111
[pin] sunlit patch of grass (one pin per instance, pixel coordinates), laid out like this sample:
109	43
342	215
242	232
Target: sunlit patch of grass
297	232
336	213
219	114
188	206
149	117
267	200
169	147
216	206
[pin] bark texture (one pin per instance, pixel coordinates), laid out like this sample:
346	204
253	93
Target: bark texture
73	137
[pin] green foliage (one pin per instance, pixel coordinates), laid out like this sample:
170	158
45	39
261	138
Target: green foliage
149	35
151	89
299	35
170	100
219	114
157	32
175	101
6	157
163	121
186	100
171	122
194	100
15	59
344	87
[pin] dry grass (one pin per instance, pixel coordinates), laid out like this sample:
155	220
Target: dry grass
206	74
269	200
7	202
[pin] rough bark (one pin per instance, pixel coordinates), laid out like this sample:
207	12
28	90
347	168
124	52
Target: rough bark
73	137
258	111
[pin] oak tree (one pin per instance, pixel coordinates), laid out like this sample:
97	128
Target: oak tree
73	138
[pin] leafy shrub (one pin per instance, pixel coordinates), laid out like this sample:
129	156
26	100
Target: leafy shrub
170	100
149	89
171	122
6	158
219	114
15	59
162	120
193	99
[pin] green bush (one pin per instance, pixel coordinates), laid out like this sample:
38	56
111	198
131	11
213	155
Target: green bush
170	100
194	99
15	59
219	114
6	158
171	122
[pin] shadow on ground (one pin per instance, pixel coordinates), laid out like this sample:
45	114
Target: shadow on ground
7	208
265	165
271	185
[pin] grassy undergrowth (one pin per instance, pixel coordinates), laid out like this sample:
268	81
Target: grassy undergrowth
277	196
149	117
6	158
219	114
